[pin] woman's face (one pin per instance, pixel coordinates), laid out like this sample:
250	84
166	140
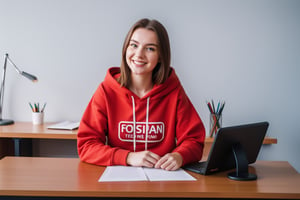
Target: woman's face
142	52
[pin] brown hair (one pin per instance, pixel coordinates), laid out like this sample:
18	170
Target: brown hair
162	70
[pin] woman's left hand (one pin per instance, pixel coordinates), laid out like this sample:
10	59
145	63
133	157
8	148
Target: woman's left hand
170	162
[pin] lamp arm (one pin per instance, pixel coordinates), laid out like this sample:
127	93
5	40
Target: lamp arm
15	66
25	74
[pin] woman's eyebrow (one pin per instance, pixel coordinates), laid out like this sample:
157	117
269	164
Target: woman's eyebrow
149	44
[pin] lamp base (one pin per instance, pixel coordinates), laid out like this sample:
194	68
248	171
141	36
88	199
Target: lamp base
4	122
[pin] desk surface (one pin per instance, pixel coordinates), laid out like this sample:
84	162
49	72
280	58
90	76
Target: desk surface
69	177
28	130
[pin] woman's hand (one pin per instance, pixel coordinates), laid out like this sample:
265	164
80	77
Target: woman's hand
170	162
142	159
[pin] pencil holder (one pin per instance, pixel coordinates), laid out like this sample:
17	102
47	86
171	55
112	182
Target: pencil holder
215	122
37	118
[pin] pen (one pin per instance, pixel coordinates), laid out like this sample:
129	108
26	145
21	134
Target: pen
36	107
33	110
221	109
215	125
218	107
210	108
213	105
43	107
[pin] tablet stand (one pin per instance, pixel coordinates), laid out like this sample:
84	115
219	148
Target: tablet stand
241	173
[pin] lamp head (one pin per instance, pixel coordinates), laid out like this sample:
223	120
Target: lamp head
29	76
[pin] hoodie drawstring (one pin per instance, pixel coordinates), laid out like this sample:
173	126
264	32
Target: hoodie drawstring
147	119
134	123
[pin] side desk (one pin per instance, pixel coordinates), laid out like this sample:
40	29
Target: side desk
27	131
69	178
12	135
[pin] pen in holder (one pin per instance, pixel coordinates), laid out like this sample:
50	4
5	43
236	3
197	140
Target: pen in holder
37	113
215	118
215	122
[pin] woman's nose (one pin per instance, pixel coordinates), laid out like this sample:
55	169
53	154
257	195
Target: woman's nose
139	52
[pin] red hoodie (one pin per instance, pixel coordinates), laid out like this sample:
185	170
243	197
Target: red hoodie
115	123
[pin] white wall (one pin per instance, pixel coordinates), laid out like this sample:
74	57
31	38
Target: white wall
246	52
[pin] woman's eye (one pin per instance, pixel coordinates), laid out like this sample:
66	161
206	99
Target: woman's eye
133	45
151	49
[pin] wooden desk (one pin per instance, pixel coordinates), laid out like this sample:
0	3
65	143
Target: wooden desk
21	130
69	177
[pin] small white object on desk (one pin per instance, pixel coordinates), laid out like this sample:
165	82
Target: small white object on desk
130	173
65	125
37	118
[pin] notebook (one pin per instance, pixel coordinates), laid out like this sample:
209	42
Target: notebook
65	125
221	157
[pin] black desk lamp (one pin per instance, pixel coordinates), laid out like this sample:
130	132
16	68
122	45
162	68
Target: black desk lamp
29	76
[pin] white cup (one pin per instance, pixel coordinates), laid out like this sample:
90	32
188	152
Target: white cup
37	118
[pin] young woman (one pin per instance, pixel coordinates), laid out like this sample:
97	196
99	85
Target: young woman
140	114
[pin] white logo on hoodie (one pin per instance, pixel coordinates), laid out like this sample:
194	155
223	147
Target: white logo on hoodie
156	131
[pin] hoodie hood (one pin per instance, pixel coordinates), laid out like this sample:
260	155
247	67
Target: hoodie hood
158	91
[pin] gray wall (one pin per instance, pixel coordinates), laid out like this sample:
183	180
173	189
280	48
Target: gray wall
243	52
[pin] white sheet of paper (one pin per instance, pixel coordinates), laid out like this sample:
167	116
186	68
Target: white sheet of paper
123	173
129	173
163	175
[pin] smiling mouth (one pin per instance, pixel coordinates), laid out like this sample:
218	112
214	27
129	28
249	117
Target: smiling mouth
139	62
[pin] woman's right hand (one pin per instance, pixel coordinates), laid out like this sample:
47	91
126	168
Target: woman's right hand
142	159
